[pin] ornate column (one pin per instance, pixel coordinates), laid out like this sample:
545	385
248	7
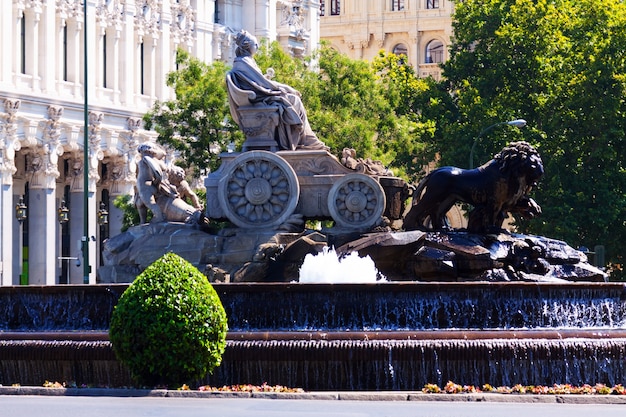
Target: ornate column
42	172
75	204
122	175
9	227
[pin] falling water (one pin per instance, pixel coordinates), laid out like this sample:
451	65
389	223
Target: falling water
376	335
329	268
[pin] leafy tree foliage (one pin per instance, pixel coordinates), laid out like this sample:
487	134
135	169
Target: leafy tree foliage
198	120
561	65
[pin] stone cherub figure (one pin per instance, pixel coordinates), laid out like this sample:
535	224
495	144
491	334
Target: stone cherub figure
156	190
294	131
177	179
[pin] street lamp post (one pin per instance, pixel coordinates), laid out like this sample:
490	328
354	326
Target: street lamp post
85	238
519	123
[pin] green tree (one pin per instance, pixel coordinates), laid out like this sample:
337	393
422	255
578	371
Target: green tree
559	64
169	326
198	119
346	101
407	95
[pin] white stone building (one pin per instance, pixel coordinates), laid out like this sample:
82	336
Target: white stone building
127	46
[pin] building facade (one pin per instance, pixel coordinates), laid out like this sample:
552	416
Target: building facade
75	81
418	29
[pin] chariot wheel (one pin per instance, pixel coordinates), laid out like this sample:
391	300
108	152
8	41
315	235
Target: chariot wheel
259	189
356	201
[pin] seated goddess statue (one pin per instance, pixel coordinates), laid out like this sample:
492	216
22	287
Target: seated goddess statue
294	131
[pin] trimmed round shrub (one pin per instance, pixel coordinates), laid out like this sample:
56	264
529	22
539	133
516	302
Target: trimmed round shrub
169	326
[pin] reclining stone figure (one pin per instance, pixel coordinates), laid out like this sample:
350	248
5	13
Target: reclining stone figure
156	193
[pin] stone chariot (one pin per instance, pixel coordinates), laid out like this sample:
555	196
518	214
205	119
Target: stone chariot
264	187
259	189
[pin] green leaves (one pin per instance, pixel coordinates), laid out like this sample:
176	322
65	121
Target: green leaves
197	123
559	64
169	326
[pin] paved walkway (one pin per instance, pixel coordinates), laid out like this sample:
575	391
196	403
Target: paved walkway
322	395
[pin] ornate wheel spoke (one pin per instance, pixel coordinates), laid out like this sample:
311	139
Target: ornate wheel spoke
259	189
356	201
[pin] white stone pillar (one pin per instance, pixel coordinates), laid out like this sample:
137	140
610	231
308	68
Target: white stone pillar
235	11
75	54
312	25
77	223
91	54
115	72
42	237
162	54
8	43
8	225
128	58
47	61
75	206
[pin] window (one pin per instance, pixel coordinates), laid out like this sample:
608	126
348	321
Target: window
434	52
397	5
400	49
432	4
23	44
65	53
219	5
322	8
104	60
142	68
335	7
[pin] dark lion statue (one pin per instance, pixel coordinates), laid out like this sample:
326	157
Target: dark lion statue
494	189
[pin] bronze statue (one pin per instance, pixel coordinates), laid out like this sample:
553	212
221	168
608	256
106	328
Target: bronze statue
494	189
253	87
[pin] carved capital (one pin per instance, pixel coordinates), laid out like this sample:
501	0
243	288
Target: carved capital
148	18
110	13
41	167
183	22
119	179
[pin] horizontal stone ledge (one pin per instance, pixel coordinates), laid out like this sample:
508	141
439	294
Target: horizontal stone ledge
490	334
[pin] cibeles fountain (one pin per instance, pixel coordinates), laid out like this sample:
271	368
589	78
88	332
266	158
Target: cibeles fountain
383	297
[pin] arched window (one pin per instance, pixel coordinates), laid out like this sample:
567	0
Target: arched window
434	52
400	49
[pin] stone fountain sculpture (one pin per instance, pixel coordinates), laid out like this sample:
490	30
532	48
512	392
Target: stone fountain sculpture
163	190
285	176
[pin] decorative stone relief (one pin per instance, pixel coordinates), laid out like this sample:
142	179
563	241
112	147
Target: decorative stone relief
148	18
122	169
41	167
95	153
183	22
9	142
69	8
74	176
110	13
293	15
36	6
